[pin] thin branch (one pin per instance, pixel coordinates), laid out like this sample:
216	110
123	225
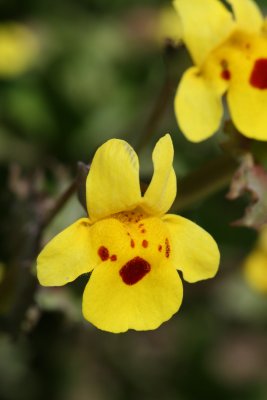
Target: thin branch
157	113
62	200
205	181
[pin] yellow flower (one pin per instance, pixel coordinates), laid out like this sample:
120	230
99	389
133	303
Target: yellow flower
132	248
230	56
255	266
168	25
18	49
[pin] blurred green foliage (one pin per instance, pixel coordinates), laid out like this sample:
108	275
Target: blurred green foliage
97	77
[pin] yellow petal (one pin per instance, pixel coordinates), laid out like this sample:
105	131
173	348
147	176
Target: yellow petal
112	305
248	15
247	102
205	24
193	250
113	180
255	270
67	256
162	190
198	106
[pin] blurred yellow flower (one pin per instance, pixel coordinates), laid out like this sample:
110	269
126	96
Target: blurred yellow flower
255	267
18	49
132	248
168	25
230	56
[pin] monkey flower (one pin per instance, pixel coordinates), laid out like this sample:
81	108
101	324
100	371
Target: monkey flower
132	248
230	56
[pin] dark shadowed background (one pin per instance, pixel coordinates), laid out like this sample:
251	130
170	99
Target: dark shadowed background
99	70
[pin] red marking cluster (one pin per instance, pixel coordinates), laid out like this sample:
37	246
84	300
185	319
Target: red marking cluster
226	74
167	248
145	243
258	77
103	253
134	270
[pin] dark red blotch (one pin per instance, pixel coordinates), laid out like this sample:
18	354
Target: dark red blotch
103	253
134	270
258	77
226	74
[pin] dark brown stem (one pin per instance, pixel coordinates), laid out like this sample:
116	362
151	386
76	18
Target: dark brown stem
59	204
26	282
157	113
204	182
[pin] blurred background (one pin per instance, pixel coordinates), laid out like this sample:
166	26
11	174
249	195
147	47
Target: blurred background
72	75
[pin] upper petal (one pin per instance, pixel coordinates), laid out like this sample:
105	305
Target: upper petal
193	250
113	181
161	192
247	14
115	306
205	24
198	106
67	255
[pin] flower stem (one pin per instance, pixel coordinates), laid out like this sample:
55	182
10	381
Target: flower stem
205	181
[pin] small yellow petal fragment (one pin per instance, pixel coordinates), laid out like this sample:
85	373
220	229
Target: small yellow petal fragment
255	270
193	250
67	255
113	181
198	106
169	25
162	190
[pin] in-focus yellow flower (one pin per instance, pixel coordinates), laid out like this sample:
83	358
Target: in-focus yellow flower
230	56
255	267
18	49
132	248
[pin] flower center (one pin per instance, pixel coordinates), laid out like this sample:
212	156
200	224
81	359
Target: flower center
258	77
134	270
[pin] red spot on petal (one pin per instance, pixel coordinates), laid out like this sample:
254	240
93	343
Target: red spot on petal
113	257
167	248
145	243
103	253
143	231
132	243
160	248
134	270
226	74
258	78
140	225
